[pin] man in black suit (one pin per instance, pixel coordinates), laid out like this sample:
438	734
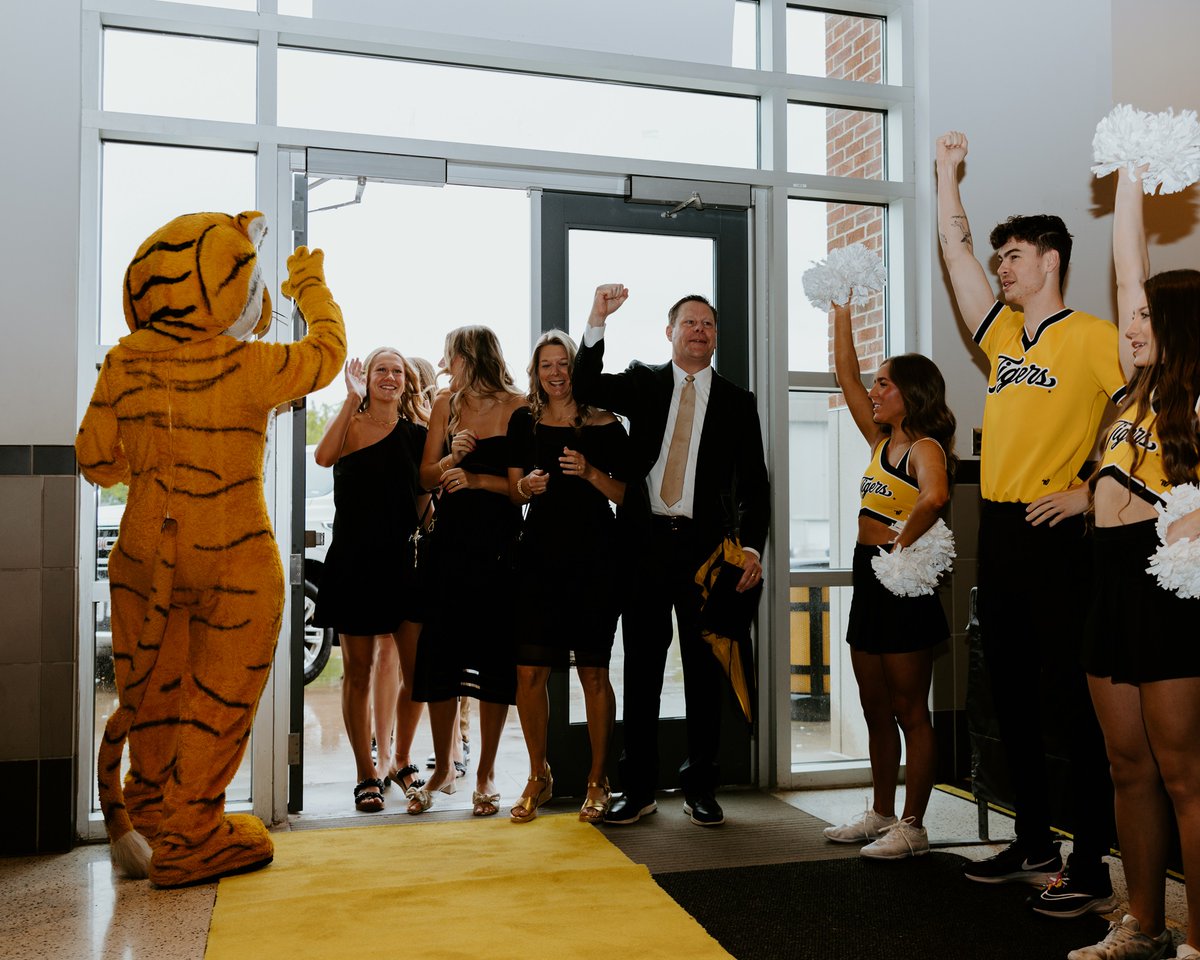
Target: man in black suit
698	449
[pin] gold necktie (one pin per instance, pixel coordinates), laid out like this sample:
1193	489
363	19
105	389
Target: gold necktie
671	490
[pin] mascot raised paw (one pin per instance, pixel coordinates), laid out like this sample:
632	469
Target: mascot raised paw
180	413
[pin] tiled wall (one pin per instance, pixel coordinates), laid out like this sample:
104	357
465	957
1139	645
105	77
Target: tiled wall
950	668
38	662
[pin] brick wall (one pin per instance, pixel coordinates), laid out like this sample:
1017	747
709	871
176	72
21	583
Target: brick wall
854	138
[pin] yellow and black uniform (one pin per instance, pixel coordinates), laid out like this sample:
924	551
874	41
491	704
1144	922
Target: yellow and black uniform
1147	480
888	493
1045	398
1134	627
880	621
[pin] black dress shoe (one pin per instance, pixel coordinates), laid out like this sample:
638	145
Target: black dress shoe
704	811
629	809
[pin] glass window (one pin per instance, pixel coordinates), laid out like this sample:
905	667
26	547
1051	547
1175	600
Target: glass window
826	719
408	264
251	5
658	270
104	696
156	73
745	34
143	188
827	456
814	228
837	45
836	142
425	101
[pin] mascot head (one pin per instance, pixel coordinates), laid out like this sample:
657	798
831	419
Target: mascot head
195	278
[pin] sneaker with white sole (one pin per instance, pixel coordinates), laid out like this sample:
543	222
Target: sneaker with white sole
899	840
1074	893
868	825
1016	864
1125	941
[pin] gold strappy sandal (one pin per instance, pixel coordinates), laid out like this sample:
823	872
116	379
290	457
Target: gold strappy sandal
526	808
593	811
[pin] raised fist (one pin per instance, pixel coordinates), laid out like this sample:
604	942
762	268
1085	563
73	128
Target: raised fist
607	301
305	268
952	148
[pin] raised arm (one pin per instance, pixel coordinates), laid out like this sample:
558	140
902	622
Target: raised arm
333	440
1131	262
589	383
972	291
849	376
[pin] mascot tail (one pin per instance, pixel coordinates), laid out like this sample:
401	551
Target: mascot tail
130	851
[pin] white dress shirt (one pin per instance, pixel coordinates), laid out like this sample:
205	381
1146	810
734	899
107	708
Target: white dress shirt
703	385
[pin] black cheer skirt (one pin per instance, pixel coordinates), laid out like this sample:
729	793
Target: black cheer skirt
881	622
1137	632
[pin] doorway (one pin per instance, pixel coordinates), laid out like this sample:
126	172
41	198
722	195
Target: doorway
408	263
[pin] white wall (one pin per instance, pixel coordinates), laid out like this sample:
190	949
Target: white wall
1027	83
39	216
1155	67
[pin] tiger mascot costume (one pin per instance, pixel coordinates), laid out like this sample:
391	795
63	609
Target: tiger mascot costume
180	413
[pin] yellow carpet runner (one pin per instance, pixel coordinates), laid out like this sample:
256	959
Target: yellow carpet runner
555	889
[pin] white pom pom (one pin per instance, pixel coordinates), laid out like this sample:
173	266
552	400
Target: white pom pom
824	287
861	269
1177	566
849	275
1168	143
131	856
915	570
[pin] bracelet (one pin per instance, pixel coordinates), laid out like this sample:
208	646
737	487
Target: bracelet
521	490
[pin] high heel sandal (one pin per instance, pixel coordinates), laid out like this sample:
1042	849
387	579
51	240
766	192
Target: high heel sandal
484	804
420	798
593	811
399	778
526	808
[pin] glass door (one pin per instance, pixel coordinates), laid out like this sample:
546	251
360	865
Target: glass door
660	257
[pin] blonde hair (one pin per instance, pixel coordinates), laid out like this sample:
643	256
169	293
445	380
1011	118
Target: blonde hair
538	400
485	370
427	377
411	404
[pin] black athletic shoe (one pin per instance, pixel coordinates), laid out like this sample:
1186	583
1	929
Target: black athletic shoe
704	811
628	809
1074	894
1015	864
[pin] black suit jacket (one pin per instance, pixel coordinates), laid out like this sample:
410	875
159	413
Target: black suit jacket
730	461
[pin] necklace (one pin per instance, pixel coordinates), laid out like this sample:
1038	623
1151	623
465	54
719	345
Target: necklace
566	420
382	423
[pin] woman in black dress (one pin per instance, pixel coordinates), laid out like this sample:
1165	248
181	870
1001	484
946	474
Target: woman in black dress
568	462
374	445
466	645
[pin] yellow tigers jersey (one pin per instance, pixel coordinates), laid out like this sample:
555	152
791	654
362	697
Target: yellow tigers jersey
1149	480
1045	397
888	493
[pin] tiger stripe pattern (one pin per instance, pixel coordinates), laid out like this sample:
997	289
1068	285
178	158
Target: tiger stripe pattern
180	413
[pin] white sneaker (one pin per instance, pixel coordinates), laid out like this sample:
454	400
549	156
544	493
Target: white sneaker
1125	941
899	840
867	826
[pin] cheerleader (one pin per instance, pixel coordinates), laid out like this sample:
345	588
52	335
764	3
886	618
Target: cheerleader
1140	649
905	419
